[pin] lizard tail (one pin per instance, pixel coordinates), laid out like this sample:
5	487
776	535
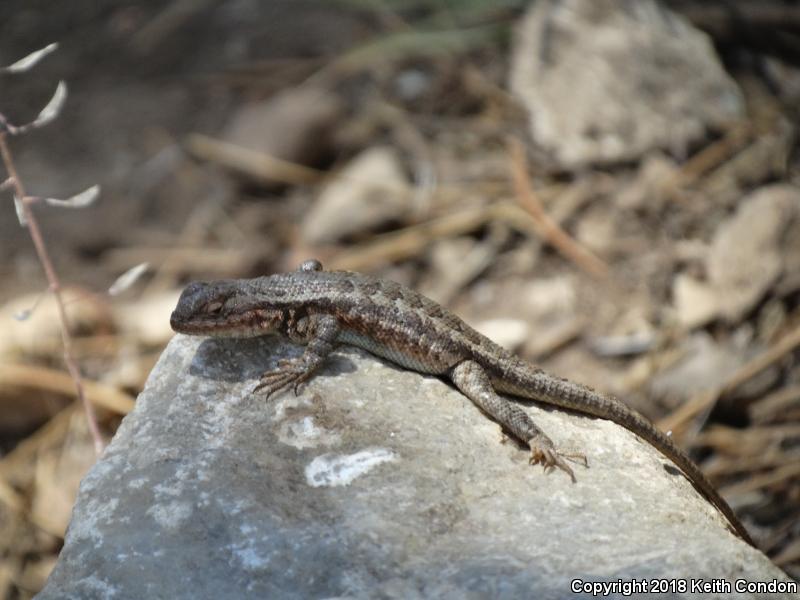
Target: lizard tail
584	400
633	421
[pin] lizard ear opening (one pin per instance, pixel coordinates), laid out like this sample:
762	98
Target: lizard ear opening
213	308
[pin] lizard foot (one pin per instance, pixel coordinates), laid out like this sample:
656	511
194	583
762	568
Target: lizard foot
503	437
289	372
544	453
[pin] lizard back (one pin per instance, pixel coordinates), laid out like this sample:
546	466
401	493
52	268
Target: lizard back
386	318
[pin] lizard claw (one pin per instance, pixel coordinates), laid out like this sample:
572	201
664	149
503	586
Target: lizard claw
289	372
544	453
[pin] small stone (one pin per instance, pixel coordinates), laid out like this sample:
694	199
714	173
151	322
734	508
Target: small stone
549	297
508	333
608	80
746	256
370	191
651	187
706	366
695	301
293	125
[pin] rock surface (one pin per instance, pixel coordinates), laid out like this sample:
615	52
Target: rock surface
607	80
373	482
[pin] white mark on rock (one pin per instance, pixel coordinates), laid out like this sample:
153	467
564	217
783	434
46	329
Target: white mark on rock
251	559
304	433
289	402
100	586
170	515
234	508
95	516
248	556
168	489
247	552
341	469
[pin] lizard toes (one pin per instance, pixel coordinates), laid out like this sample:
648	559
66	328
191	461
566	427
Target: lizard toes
543	452
273	382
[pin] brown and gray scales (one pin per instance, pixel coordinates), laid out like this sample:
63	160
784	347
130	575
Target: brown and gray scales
323	309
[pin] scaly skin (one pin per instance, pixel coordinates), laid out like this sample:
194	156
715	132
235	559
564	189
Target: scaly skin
323	309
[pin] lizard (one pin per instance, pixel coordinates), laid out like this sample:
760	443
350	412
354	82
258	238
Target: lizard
323	309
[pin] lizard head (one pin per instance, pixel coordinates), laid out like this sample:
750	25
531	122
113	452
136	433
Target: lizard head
223	309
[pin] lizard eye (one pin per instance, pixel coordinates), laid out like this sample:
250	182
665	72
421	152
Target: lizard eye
213	307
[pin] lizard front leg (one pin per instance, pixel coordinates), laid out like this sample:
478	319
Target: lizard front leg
472	380
320	334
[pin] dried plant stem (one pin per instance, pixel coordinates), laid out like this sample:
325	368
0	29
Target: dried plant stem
55	287
550	231
679	420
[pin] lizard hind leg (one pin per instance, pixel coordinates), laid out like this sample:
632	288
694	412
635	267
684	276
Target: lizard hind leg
472	380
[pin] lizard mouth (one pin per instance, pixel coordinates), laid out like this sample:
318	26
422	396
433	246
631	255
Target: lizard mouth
240	326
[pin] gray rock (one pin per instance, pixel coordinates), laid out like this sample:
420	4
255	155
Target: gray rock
373	482
607	80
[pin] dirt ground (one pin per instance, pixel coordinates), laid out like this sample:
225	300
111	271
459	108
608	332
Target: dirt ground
237	139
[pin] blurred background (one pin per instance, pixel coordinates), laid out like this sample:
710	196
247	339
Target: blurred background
607	187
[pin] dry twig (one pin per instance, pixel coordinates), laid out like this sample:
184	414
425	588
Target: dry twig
51	380
678	420
547	228
24	205
757	482
410	241
259	166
